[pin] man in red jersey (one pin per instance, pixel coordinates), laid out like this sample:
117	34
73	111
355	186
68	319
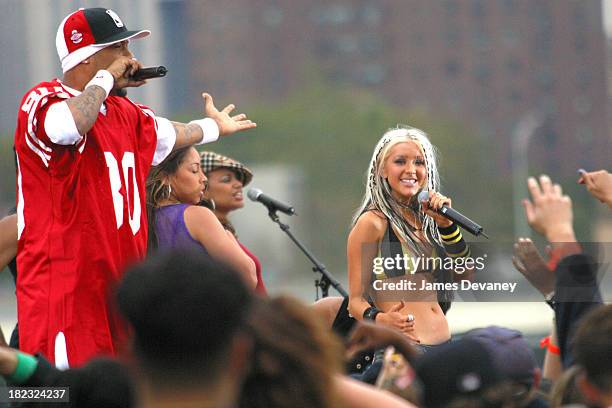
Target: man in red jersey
83	155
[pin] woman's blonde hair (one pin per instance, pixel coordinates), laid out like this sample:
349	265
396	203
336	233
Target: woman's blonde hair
378	191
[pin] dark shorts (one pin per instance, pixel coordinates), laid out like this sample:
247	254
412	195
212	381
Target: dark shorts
370	374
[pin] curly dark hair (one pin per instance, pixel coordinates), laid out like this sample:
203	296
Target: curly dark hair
295	357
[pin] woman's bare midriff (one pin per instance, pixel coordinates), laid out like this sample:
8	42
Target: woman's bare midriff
430	324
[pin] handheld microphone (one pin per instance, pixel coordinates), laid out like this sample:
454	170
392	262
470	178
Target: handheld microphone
256	194
148	73
455	216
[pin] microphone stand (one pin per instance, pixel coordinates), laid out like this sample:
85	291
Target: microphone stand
326	280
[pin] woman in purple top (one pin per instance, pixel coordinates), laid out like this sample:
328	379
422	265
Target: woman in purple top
174	188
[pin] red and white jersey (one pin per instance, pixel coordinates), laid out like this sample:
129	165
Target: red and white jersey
81	220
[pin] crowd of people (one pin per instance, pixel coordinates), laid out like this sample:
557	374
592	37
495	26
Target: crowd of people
133	289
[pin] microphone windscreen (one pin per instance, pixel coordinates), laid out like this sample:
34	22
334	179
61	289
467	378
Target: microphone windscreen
253	193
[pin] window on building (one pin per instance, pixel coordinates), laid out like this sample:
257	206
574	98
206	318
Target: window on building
510	6
543	22
371	14
346	44
510	38
451	7
481	41
419	74
482	73
371	45
545	80
582	105
272	16
584	134
513	65
452	68
452	37
479	8
371	74
333	14
583	78
515	97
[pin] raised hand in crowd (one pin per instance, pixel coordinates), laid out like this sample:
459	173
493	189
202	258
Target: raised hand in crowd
599	184
549	212
530	263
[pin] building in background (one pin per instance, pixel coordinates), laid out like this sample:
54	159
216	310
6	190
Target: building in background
27	34
486	62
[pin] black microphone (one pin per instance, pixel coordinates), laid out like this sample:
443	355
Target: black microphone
455	216
256	194
148	73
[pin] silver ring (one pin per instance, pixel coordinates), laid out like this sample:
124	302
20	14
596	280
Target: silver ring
410	318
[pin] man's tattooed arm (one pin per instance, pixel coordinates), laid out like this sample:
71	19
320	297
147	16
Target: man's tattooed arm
187	134
85	107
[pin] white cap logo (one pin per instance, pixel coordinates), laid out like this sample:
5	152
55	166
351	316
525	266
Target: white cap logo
115	18
76	37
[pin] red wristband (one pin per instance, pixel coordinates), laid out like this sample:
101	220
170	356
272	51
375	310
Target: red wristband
546	343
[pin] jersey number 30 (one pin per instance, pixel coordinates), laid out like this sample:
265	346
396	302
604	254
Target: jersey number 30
127	163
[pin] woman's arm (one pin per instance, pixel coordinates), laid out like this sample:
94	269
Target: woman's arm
204	227
8	240
8	248
362	248
552	368
356	394
361	251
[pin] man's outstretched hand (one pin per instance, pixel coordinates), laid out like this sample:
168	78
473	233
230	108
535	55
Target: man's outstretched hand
227	124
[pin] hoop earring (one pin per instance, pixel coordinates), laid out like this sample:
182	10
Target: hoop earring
167	191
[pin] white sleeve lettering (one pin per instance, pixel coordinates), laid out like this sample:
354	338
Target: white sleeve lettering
166	137
60	126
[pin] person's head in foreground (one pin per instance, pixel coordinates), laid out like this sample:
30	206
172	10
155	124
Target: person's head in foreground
188	314
295	357
565	390
592	346
461	374
512	358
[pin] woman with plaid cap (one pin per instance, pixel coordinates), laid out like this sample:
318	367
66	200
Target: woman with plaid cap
174	189
226	178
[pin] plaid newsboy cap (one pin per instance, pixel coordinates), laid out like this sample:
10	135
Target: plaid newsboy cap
213	161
